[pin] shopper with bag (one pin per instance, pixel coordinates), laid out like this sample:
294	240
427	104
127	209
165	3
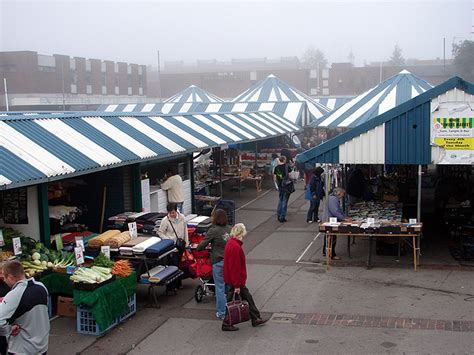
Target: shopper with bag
235	277
217	236
285	188
314	193
173	226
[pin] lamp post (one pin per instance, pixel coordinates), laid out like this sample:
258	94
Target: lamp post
6	93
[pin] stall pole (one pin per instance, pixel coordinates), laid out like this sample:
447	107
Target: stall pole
43	208
256	157
418	202
220	172
104	196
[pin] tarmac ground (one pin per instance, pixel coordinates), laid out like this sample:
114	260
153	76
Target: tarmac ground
344	308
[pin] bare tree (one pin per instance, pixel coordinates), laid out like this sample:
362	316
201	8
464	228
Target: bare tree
464	60
314	58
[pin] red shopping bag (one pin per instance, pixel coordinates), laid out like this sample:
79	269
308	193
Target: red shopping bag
237	311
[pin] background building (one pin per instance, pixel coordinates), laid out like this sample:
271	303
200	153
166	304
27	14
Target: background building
60	82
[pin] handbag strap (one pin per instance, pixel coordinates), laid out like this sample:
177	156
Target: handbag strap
174	230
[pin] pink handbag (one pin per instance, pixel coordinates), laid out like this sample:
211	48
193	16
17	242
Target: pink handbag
237	312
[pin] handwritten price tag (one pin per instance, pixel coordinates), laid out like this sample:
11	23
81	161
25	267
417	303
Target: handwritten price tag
17	246
79	255
80	243
370	220
333	220
132	229
106	250
412	221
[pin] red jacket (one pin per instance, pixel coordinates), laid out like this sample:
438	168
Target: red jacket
235	270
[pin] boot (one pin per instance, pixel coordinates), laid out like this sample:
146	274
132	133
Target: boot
229	328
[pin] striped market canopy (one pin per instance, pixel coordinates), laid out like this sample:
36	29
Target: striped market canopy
193	94
293	111
45	147
385	96
272	89
333	102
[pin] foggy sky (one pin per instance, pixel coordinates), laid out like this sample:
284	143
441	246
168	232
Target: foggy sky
133	31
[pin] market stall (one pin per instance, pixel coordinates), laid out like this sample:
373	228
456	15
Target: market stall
416	142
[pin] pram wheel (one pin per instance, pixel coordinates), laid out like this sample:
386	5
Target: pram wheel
199	293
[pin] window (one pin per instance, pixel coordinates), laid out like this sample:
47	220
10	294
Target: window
104	90
325	91
129	80
313	91
313	73
73	89
140	81
72	64
103	79
88	78
103	67
88	65
8	68
116	68
325	73
140	70
117	90
73	77
140	91
89	89
129	90
117	81
129	69
325	82
253	75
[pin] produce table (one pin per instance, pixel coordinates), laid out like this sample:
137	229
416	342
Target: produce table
108	302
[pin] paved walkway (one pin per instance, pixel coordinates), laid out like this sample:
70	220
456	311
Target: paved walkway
312	308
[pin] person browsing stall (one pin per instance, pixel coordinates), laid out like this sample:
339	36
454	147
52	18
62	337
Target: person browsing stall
173	184
281	173
334	209
235	275
174	226
316	191
217	236
24	312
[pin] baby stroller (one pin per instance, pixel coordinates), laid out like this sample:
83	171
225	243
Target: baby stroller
199	266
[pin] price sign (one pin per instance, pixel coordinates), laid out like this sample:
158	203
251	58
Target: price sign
106	250
370	220
16	246
412	221
59	242
79	255
132	229
333	220
2	241
80	243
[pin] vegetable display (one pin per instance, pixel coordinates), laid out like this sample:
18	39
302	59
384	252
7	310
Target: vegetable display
102	260
122	268
95	274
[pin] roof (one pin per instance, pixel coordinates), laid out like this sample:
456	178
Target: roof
44	147
194	94
398	136
383	97
272	89
293	111
333	102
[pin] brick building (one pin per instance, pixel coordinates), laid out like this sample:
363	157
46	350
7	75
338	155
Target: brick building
43	82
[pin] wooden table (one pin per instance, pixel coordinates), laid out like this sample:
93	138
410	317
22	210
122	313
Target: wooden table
245	177
413	236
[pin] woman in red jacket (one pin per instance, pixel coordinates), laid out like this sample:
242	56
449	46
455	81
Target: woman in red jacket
235	275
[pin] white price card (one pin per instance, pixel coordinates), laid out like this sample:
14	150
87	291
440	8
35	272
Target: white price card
2	241
80	243
333	220
16	246
370	220
132	229
106	250
79	255
412	221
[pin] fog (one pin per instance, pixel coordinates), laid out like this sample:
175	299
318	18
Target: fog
133	31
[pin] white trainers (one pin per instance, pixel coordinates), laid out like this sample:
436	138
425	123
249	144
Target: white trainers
309	222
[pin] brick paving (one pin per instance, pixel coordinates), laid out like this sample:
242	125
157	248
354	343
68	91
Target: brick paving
345	320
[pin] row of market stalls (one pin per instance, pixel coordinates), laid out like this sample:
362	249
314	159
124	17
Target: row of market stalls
415	145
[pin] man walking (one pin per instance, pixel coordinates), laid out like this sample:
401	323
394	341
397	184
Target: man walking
281	173
24	315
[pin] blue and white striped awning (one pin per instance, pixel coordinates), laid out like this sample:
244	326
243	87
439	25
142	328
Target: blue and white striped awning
193	94
385	96
272	89
295	112
333	102
44	147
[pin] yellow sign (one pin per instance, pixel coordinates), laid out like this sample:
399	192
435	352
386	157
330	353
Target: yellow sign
454	133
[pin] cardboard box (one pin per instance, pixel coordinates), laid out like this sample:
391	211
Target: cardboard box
66	307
